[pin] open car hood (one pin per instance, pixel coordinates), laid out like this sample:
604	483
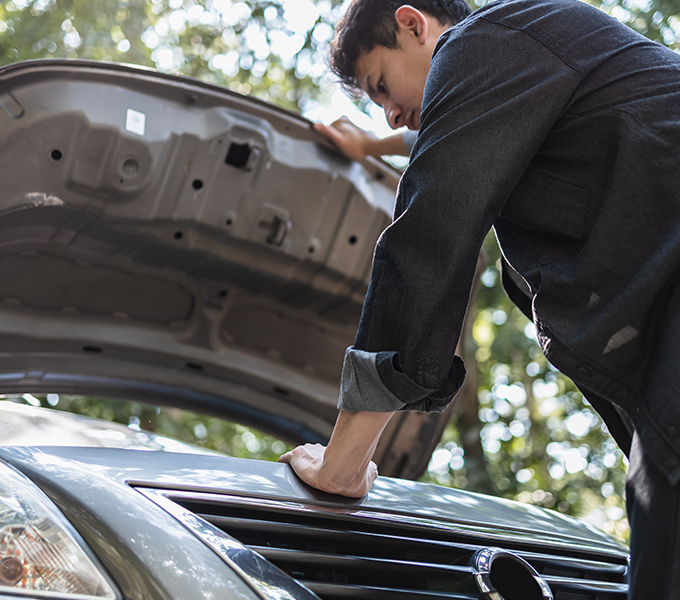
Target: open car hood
173	242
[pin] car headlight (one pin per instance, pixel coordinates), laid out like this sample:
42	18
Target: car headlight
39	549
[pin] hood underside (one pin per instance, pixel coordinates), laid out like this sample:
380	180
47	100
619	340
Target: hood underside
169	241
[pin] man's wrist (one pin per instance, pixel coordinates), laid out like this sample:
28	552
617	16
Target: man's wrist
346	467
346	482
390	146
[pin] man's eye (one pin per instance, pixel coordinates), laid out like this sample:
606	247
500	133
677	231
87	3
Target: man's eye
381	87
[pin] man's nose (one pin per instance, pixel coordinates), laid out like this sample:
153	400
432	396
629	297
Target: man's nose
395	115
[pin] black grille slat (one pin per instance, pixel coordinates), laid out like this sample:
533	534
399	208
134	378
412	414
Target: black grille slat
348	556
359	592
350	563
564	566
369	571
339	570
577	588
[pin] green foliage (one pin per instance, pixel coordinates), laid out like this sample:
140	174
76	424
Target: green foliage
74	29
274	50
204	431
656	19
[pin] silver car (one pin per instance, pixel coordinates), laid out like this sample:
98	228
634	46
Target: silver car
169	241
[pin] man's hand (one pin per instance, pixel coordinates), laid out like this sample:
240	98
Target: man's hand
345	466
308	461
357	144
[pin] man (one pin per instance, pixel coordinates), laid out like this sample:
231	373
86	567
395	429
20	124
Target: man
560	127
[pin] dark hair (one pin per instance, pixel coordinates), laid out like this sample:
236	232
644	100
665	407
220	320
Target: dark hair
371	23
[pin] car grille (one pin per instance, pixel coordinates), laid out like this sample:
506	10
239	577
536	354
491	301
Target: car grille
355	553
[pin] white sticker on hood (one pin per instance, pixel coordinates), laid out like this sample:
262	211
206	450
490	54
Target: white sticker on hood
42	199
135	122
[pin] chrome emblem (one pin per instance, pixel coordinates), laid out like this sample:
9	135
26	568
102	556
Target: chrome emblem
502	575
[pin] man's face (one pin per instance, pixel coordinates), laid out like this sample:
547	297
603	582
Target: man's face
395	78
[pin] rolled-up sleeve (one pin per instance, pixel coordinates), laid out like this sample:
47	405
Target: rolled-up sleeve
361	387
485	115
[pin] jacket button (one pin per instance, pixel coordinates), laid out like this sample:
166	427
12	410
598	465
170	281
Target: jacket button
581	370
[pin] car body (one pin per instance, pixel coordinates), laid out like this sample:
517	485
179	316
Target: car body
171	242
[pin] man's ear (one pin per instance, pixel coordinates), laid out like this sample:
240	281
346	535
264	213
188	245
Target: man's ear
412	21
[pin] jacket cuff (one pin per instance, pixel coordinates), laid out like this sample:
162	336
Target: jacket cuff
361	387
370	380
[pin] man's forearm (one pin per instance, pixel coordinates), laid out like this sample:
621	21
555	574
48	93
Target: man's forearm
353	442
389	146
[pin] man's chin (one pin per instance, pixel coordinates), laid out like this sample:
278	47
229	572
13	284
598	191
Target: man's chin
414	122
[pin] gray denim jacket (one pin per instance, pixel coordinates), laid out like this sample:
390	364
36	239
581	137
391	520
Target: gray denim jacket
560	127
